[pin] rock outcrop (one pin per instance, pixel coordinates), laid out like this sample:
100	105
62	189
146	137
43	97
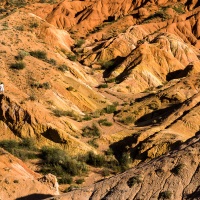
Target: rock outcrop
171	176
18	181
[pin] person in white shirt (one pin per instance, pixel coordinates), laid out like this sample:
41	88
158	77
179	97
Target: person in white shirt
1	88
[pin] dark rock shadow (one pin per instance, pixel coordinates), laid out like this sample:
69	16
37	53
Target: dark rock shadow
179	73
35	197
157	115
121	146
116	62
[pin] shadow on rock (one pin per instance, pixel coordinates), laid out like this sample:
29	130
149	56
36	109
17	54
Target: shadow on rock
35	197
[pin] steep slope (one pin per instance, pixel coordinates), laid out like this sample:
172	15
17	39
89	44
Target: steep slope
46	86
15	175
172	176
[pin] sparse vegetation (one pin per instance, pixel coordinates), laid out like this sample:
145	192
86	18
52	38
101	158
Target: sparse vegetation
106	64
24	149
80	181
128	120
51	61
110	109
71	57
177	169
45	85
21	55
165	195
18	65
34	25
57	161
103	85
79	43
60	113
104	122
63	68
93	143
39	54
179	9
133	180
95	160
90	132
70	88
87	117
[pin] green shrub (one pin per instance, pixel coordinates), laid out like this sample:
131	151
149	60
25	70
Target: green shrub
105	172
91	131
179	9
57	160
39	54
27	143
21	55
110	109
65	179
177	169
128	120
20	28
63	68
107	64
103	85
79	43
93	143
133	180
34	25
124	161
70	88
23	150
71	57
18	65
80	181
165	195
59	113
51	61
95	160
104	122
87	117
45	85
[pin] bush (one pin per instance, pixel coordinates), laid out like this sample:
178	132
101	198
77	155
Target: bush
128	120
59	113
70	88
80	181
79	43
21	55
71	57
133	180
39	54
95	160
87	117
51	61
110	109
105	172
27	143
23	150
91	131
57	160
107	64
45	85
177	169
63	68
34	25
18	65
165	195
93	143
104	122
103	86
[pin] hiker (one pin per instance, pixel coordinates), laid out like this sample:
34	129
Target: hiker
1	88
